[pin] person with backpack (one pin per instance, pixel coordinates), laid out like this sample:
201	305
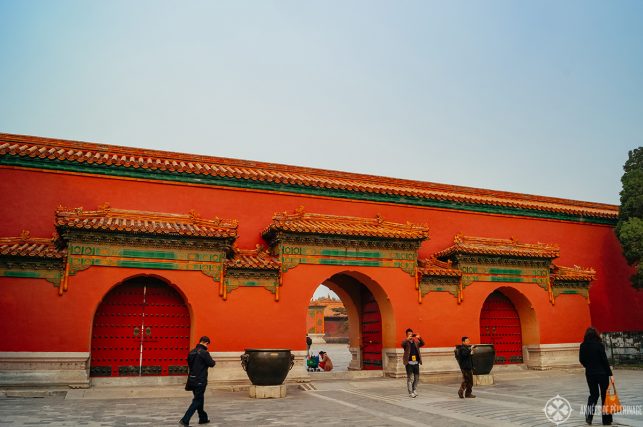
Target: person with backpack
412	359
463	354
199	360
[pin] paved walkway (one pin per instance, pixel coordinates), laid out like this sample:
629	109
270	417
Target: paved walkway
338	353
517	399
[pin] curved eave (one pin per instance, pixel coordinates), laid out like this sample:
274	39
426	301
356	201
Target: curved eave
482	252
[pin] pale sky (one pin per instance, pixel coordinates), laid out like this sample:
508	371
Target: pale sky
542	98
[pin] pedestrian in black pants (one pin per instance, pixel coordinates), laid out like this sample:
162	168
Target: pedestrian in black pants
463	354
199	360
597	372
412	359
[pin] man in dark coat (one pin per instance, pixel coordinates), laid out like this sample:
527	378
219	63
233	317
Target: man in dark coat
412	359
463	355
199	360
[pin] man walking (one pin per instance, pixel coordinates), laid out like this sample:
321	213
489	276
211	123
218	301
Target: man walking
199	360
412	360
463	355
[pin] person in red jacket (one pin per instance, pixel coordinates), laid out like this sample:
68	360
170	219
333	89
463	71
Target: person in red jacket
199	361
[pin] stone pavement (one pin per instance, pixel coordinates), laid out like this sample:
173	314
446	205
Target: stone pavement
517	399
338	353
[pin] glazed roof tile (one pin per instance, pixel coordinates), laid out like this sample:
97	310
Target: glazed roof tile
335	225
254	259
434	267
27	246
576	273
153	160
108	219
498	247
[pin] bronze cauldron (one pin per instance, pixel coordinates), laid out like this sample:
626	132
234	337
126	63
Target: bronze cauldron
267	366
483	357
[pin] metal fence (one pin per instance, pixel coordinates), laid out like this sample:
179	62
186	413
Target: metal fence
624	348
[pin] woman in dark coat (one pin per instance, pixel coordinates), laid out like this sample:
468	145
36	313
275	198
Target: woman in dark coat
597	372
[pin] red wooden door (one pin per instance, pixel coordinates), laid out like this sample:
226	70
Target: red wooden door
500	326
141	328
371	332
114	341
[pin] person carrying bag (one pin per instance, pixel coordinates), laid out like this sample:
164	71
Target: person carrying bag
199	360
597	373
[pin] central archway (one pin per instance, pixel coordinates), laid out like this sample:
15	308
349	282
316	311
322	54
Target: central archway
508	320
368	323
500	326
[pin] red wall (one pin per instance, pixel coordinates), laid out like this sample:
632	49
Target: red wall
335	327
30	198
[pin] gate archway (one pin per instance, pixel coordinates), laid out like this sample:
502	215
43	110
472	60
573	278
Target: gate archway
500	325
365	319
142	327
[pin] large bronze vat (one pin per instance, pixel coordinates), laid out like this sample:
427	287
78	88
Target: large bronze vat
267	366
483	357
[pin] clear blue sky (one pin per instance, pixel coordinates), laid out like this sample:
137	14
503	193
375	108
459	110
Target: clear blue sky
543	97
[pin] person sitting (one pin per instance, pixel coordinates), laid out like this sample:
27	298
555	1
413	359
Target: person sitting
324	361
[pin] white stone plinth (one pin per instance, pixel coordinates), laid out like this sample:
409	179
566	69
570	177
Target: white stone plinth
49	369
317	338
438	364
483	379
268	391
548	356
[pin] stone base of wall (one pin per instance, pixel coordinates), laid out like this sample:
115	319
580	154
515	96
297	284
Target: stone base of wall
550	356
31	369
37	369
438	364
52	369
317	338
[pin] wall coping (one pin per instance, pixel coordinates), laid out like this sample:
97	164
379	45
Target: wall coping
43	355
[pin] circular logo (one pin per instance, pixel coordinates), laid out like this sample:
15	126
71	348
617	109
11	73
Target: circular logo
557	409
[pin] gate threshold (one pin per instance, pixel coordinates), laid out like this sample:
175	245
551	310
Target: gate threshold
344	375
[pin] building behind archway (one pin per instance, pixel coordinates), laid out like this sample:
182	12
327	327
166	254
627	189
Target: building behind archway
327	318
241	246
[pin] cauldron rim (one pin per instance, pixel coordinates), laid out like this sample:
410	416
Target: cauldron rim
267	349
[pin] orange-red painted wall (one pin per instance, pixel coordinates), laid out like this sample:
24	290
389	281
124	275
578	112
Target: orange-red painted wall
335	327
250	317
